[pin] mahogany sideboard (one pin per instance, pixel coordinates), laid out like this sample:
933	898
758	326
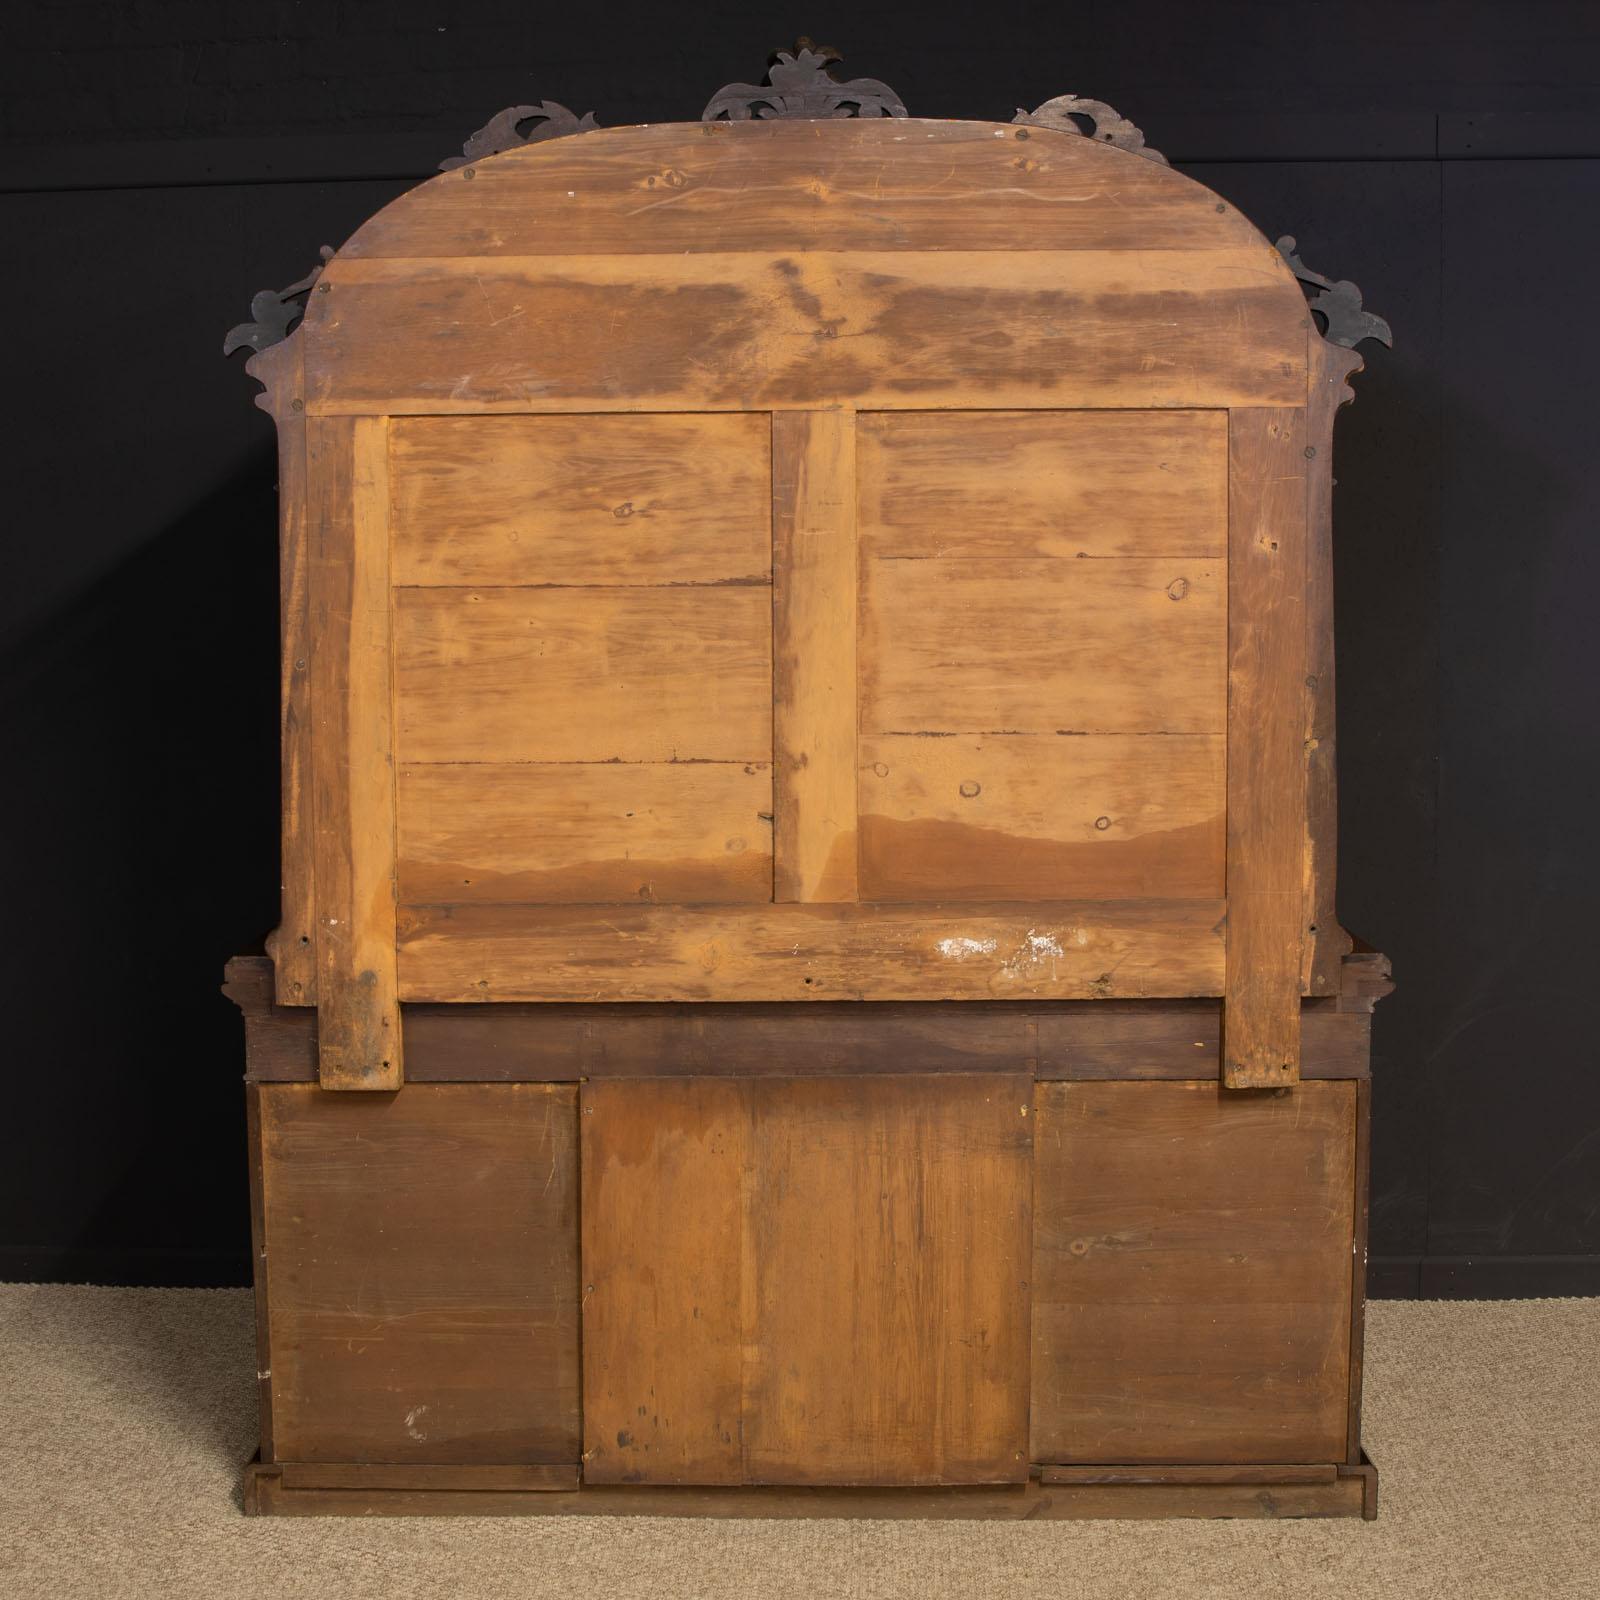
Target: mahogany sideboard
808	980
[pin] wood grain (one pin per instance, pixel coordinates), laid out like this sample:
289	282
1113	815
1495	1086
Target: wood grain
808	329
1044	646
423	1273
595	674
1266	748
663	1200
1192	1273
901	184
1076	950
353	755
292	944
814	651
547	832
1047	483
740	1234
1017	817
581	500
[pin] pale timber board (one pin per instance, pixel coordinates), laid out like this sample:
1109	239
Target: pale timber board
358	1010
1120	645
1047	817
1266	748
1044	483
808	330
1083	950
814	655
629	500
591	674
905	184
544	832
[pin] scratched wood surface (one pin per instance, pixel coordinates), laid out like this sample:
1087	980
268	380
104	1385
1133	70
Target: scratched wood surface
742	1235
352	787
421	1273
1192	1272
1266	748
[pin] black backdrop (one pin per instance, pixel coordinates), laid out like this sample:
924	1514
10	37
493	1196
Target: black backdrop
163	161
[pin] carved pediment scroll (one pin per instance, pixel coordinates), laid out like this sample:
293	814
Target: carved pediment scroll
801	83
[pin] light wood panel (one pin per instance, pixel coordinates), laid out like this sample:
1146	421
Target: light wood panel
905	184
581	500
1050	483
814	328
1192	1273
358	1011
663	1294
600	674
557	832
422	1273
1084	950
1266	748
814	647
1019	817
1044	646
806	1280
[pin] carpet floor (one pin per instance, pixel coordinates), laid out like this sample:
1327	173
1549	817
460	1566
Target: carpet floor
126	1414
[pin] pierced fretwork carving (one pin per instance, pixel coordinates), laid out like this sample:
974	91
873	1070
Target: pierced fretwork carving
800	83
519	125
276	311
1337	304
1094	119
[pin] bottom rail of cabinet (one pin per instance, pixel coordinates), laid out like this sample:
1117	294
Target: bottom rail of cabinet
1063	1493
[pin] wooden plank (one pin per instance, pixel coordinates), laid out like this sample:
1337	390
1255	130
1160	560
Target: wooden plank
888	1220
1354	1455
1212	1473
535	1478
815	329
1326	943
814	655
258	1268
1266	748
740	1233
292	943
563	832
517	1042
1077	484
783	185
265	1495
581	500
1018	817
811	952
352	755
663	1198
410	1321
1192	1273
1044	646
595	674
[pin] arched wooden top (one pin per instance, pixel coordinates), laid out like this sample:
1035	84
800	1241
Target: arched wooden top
795	263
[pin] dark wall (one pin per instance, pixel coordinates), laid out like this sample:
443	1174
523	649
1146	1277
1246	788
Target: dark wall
163	161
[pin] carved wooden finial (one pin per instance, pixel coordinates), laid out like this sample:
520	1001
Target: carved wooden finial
276	311
1094	119
1337	304
801	83
519	125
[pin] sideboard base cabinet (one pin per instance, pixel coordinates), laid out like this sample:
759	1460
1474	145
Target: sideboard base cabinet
902	1261
808	979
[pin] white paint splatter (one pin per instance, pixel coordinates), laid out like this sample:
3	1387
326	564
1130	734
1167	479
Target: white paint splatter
965	949
1041	945
411	1422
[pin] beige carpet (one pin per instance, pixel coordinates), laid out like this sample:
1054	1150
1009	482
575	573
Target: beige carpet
125	1415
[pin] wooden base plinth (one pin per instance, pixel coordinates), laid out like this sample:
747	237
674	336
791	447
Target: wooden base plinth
1052	1494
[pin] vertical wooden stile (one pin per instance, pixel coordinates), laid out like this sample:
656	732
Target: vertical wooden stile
358	1012
1266	747
814	655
